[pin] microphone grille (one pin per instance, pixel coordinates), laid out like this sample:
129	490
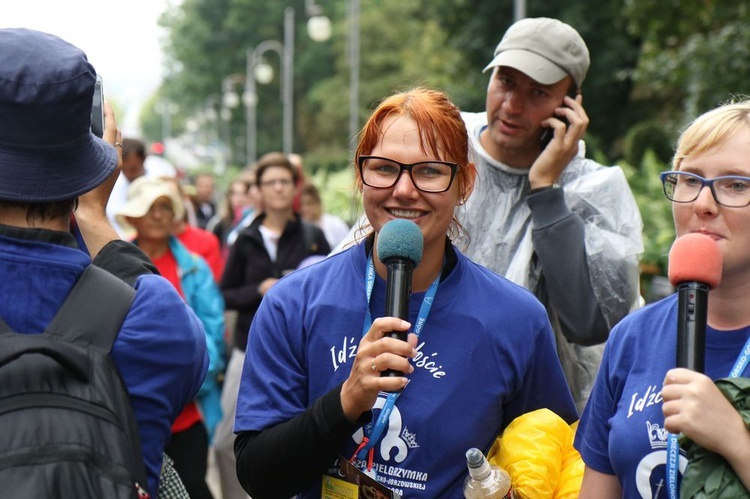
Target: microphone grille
695	258
400	239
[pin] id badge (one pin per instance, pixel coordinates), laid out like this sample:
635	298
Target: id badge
338	488
352	483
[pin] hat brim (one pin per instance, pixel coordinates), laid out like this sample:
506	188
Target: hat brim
139	206
54	174
533	65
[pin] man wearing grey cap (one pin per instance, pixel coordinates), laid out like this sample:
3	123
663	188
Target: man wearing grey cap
563	226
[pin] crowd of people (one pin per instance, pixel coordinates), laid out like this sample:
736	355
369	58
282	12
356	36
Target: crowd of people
258	335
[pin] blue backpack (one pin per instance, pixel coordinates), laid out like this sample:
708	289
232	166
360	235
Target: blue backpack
68	429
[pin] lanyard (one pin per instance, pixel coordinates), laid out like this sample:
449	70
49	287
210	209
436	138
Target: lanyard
673	447
373	433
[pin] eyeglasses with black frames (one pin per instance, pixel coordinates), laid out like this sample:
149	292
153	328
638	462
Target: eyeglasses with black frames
732	191
427	176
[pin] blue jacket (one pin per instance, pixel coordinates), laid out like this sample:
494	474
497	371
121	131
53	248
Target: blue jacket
203	296
160	350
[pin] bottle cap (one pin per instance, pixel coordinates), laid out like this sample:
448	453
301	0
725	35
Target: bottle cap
474	458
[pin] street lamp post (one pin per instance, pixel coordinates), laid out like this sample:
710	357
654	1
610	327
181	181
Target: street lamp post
318	25
230	100
319	28
166	109
250	98
210	118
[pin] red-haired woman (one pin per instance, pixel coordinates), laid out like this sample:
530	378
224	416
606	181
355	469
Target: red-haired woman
480	353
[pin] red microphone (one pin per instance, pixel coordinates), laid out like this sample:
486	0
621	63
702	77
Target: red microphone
694	268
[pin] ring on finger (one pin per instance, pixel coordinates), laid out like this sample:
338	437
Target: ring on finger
118	144
374	367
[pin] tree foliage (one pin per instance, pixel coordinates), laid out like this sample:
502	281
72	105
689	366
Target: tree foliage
655	65
442	43
655	208
694	55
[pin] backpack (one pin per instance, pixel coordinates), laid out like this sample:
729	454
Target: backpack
68	429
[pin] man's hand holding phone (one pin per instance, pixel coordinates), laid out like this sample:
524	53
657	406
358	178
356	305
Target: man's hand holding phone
112	135
564	129
91	214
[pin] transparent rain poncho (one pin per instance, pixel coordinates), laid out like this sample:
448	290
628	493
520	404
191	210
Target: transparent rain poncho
499	224
500	228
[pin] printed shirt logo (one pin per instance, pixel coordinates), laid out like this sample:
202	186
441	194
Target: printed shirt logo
650	474
342	353
651	397
657	436
394	446
397	439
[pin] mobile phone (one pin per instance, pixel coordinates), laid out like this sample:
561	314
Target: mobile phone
97	108
549	132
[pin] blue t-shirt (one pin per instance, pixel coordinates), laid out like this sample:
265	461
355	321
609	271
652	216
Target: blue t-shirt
485	356
622	427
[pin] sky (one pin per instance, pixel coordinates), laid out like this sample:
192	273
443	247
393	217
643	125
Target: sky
121	39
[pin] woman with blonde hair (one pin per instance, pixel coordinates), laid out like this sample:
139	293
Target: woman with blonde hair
639	397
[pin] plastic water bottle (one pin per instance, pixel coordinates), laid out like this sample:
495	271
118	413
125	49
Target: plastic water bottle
485	481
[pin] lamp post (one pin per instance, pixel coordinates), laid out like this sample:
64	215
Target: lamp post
319	28
229	101
210	117
166	109
255	69
318	25
210	120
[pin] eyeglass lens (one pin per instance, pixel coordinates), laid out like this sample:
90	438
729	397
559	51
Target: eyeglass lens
427	176
684	187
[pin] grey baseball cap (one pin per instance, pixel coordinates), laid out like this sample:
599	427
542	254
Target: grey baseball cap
545	49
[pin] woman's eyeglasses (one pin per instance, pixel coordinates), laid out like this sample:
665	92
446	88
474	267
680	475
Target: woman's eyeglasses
427	176
732	191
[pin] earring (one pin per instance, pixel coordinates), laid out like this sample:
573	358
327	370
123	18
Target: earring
461	202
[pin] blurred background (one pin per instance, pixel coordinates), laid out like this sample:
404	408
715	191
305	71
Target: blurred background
226	81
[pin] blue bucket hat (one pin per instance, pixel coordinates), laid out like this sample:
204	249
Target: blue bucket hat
47	152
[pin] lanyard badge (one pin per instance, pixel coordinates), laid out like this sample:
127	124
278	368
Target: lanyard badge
366	481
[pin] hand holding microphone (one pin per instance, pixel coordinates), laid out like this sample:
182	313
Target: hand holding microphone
400	244
694	268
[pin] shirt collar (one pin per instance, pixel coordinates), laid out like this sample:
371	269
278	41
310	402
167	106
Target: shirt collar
39	235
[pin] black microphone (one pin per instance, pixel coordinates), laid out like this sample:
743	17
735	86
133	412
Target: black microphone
695	265
400	246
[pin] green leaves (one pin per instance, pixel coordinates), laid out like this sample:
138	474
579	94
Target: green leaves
708	475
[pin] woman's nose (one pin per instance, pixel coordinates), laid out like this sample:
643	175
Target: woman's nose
705	203
405	186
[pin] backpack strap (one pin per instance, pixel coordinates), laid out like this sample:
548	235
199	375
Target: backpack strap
4	327
92	312
94	309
